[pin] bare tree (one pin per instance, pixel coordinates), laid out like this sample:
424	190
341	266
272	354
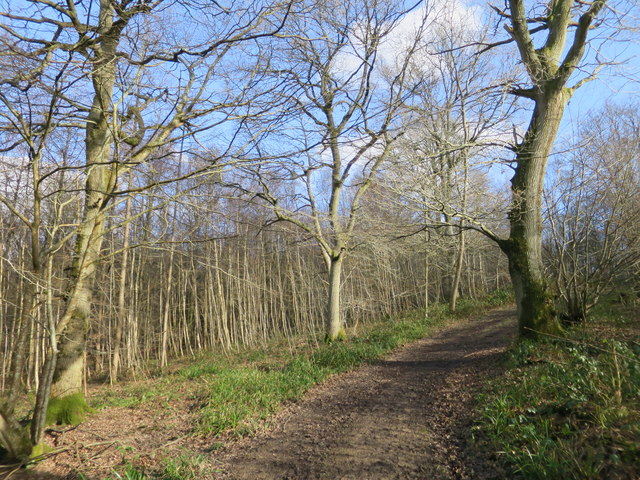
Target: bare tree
347	99
462	115
125	111
550	67
37	182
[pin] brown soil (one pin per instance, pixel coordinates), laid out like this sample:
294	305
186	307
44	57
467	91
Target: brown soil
406	417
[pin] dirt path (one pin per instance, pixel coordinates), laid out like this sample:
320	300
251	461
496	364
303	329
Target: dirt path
406	417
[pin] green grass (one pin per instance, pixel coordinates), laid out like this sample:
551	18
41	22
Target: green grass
569	408
185	466
238	391
241	396
129	395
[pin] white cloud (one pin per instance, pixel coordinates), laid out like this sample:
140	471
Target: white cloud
429	23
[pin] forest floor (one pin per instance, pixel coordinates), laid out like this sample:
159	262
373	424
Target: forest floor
408	416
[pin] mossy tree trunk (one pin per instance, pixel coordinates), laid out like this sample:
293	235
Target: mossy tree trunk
549	69
13	438
100	184
524	247
94	51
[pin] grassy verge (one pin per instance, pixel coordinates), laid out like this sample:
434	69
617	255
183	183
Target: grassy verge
570	408
237	392
241	396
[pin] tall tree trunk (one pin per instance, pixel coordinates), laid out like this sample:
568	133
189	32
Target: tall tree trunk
20	347
549	68
166	312
13	437
427	261
122	315
335	327
74	324
100	183
450	254
461	239
457	272
536	312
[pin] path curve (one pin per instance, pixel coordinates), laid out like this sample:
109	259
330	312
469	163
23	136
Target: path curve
405	417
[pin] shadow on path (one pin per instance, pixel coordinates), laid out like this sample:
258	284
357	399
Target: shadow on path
405	417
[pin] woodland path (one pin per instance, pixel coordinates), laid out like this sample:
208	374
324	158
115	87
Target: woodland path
405	417
408	416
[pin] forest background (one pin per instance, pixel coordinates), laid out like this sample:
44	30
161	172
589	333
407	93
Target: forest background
186	176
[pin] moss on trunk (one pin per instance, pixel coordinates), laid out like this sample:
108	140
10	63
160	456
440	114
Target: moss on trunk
536	309
339	336
549	69
67	410
538	315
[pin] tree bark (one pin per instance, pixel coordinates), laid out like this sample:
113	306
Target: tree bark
122	316
335	327
20	346
457	272
100	183
461	239
536	312
13	438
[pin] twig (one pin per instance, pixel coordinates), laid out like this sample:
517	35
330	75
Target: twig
58	451
35	460
61	430
173	441
13	471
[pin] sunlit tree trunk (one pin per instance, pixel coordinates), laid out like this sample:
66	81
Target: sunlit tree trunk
457	274
524	247
166	312
122	315
100	183
335	326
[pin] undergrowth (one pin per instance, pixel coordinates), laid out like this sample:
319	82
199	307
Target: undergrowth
183	467
569	408
68	410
